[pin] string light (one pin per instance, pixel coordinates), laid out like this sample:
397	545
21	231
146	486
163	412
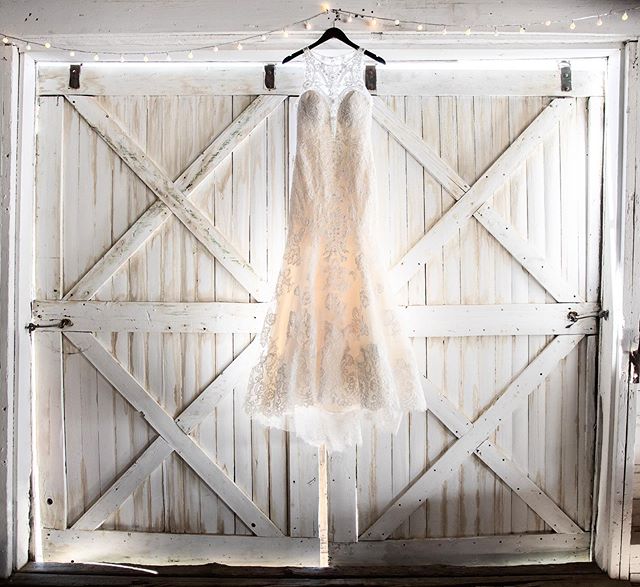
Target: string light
121	58
145	58
239	46
349	16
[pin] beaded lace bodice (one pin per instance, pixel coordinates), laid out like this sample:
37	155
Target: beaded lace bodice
335	353
334	77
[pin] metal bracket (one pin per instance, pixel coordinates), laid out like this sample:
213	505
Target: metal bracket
61	324
370	77
565	76
270	76
74	76
573	316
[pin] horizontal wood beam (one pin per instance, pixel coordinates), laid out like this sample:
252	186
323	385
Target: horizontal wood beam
510	549
404	79
156	548
242	317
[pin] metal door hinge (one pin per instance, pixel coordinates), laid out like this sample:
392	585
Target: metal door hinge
74	76
270	76
565	76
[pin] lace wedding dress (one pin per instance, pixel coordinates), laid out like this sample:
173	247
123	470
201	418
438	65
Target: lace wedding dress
335	353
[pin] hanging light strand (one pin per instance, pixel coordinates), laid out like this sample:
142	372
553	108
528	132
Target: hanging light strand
336	14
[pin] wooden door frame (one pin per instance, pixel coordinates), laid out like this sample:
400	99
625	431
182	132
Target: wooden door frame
612	484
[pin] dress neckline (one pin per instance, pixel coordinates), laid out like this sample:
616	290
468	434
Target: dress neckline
334	59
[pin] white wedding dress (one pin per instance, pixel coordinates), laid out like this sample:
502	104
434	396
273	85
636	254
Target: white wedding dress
335	353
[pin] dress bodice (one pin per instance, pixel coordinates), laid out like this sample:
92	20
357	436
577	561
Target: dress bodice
334	78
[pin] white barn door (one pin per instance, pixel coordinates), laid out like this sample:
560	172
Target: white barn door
160	228
493	211
159	218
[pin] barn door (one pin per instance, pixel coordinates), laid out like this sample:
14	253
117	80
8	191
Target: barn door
493	204
155	216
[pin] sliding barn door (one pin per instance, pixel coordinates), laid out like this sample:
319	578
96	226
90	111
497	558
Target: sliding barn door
159	220
493	211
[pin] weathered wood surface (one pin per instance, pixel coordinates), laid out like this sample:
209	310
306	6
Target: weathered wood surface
484	304
524	78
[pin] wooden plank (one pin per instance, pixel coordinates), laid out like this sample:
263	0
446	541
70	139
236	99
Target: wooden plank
27	121
182	443
152	548
235	132
509	549
520	387
477	196
50	445
136	79
239	317
8	193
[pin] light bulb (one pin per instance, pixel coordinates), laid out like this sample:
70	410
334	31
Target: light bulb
145	58
28	47
572	26
47	45
121	58
625	16
444	30
468	31
96	57
599	21
420	27
168	57
5	40
547	22
285	33
522	29
190	55
239	46
307	25
374	21
72	53
495	32
396	22
350	18
215	48
263	37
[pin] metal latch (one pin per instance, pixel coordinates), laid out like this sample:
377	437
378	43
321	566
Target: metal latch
61	324
573	316
74	76
565	76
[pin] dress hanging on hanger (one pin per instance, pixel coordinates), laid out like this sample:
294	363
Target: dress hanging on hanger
335	353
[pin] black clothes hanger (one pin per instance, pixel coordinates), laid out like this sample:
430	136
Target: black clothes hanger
334	33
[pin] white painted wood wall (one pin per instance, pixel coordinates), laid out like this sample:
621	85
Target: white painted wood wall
493	203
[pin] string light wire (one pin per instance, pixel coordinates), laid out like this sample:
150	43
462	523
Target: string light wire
349	16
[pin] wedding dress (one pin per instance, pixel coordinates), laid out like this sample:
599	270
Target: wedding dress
335	353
